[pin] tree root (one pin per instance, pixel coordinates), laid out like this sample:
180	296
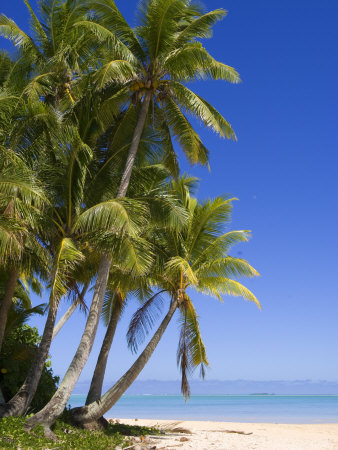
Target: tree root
94	425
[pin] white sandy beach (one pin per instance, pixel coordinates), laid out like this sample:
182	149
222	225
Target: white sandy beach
230	436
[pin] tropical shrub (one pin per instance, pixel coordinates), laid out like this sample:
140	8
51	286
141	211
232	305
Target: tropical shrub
18	349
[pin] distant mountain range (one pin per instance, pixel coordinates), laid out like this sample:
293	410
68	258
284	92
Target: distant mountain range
218	387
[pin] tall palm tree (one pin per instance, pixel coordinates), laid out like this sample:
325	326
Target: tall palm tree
54	54
124	284
22	199
156	59
195	258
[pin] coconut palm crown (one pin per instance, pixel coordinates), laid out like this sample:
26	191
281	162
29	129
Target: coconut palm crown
153	62
194	259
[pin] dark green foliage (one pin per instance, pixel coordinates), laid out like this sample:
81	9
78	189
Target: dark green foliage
15	360
13	435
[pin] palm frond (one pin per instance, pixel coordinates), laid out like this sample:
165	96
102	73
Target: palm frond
191	349
218	247
103	34
113	305
118	215
109	15
10	30
186	136
227	266
143	321
65	261
192	61
37	26
200	27
116	71
39	86
217	286
160	25
201	109
177	265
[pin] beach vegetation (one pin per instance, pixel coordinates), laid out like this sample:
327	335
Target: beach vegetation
13	435
19	347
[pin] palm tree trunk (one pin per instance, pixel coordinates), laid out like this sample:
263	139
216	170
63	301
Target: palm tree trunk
19	404
89	415
64	319
95	390
134	147
58	402
69	311
7	301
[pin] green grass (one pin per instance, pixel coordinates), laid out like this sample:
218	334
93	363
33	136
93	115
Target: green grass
13	435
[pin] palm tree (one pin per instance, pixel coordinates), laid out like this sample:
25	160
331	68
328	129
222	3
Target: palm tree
195	258
156	59
22	199
54	55
20	193
124	284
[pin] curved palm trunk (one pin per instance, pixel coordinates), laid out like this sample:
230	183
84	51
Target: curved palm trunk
69	311
7	301
57	404
89	415
95	389
19	404
64	319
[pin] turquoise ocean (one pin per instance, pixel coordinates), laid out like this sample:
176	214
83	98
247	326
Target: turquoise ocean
231	408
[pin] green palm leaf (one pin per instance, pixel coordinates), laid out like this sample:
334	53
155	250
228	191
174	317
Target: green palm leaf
185	134
201	109
116	70
200	27
66	259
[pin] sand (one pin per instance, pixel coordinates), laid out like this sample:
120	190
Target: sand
229	436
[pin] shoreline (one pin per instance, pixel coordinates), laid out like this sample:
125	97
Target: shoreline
206	435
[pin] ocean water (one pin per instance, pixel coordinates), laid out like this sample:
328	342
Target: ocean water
231	408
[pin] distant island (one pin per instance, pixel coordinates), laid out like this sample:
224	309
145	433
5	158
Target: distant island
261	393
228	387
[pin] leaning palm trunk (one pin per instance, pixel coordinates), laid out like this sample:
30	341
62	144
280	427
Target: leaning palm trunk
64	319
7	300
69	311
95	389
21	401
89	415
58	402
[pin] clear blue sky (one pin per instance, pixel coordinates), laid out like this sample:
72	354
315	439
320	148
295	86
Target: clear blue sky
284	171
